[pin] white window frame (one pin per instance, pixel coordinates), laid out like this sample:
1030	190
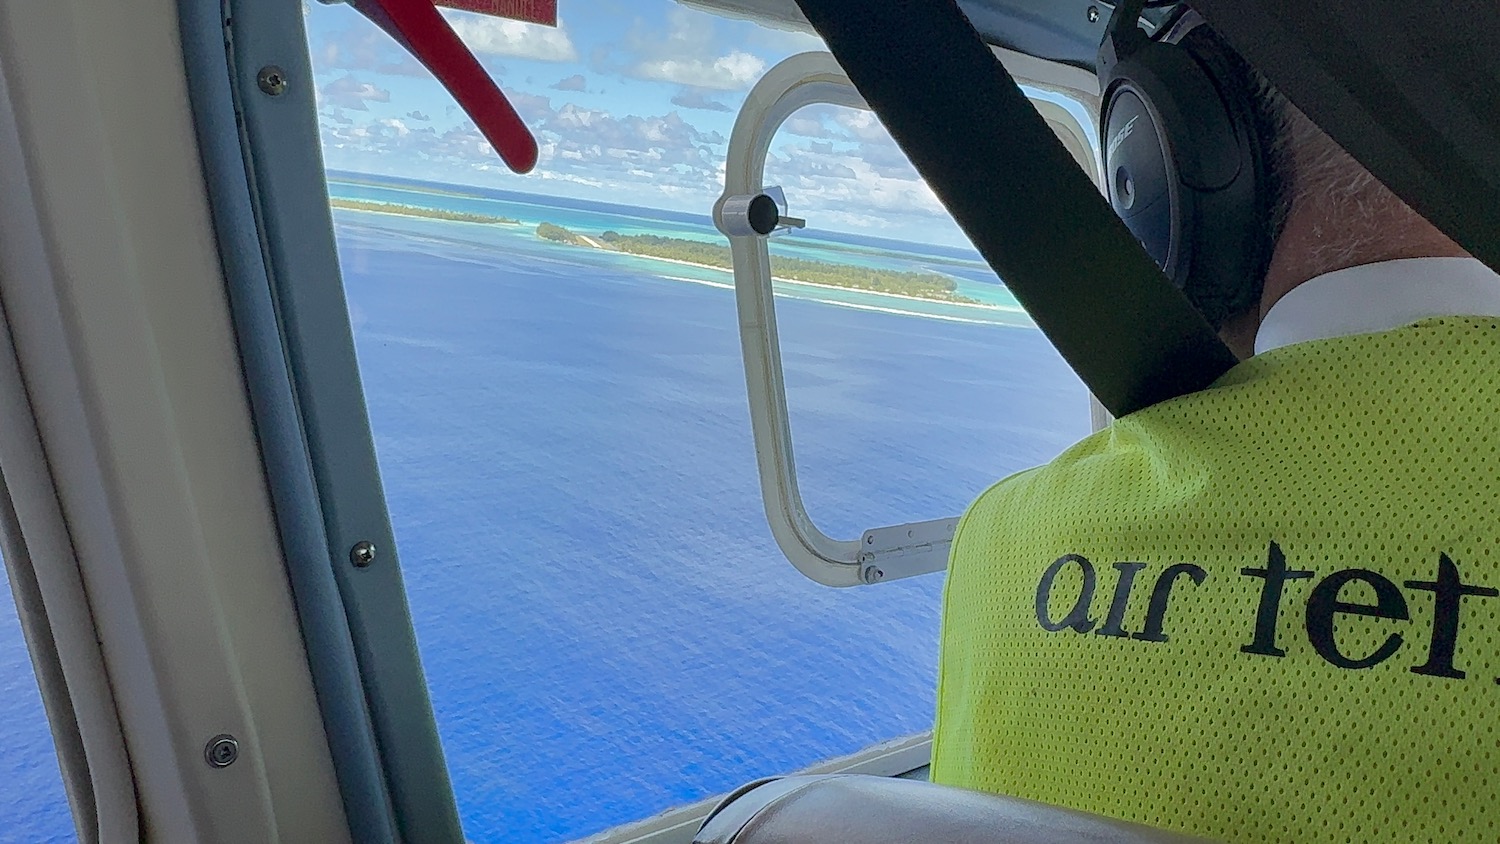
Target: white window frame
881	554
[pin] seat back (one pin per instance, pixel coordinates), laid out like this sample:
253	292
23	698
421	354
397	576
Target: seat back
881	810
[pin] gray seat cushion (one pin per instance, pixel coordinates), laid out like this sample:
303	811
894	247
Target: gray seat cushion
881	810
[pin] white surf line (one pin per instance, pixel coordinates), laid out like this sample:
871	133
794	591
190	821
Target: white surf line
856	306
818	286
792	282
899	312
719	284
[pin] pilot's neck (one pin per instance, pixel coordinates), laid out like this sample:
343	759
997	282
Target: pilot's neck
1331	230
1326	232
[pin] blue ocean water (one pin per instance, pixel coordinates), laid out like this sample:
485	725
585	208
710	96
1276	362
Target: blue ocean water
32	801
607	626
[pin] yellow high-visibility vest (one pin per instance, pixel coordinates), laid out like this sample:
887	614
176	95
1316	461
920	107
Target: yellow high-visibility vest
1265	612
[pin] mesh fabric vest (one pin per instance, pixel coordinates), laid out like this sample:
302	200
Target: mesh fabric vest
1263	612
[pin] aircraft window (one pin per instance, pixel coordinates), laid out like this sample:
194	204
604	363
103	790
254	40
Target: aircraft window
555	387
32	801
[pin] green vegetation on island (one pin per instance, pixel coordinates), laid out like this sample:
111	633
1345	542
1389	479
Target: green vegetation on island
927	257
417	211
550	231
895	282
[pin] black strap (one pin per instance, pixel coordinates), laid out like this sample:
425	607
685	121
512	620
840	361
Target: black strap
1016	191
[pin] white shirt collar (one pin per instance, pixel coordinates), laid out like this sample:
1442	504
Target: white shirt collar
1379	297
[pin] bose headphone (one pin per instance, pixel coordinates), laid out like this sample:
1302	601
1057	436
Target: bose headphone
1187	159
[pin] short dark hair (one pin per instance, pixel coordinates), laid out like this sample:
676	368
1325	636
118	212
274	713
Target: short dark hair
1281	125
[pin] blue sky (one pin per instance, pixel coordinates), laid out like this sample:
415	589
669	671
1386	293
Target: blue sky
631	102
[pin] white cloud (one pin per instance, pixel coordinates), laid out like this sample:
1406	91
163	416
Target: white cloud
861	124
695	99
662	156
348	92
395	125
499	37
533	108
688	53
732	72
848	184
837	123
807	126
576	82
785	40
850	175
364	47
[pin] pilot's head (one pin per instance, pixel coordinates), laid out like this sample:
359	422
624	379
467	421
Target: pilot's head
1236	194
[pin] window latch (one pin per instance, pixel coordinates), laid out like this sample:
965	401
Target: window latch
422	31
762	213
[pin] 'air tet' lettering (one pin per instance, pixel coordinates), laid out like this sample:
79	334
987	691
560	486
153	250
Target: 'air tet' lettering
1326	601
1078	618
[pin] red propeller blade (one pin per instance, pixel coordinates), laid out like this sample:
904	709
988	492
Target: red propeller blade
418	26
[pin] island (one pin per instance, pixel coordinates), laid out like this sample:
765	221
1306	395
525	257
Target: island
916	285
558	234
418	211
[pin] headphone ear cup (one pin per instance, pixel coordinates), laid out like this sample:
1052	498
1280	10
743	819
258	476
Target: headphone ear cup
1141	176
1186	173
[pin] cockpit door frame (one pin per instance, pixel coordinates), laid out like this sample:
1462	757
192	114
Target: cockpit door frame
266	174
